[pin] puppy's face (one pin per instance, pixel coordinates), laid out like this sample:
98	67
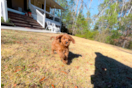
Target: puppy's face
66	39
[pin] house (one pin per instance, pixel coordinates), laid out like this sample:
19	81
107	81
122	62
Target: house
44	13
132	6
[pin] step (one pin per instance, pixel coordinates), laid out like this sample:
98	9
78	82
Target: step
37	26
23	16
18	21
25	22
19	24
31	22
20	18
26	25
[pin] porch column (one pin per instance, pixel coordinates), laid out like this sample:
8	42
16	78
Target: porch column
44	5
4	10
54	14
44	16
29	2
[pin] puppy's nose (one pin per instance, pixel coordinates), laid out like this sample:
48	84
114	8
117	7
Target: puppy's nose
66	42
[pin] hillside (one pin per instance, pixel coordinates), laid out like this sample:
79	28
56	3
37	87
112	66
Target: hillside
27	62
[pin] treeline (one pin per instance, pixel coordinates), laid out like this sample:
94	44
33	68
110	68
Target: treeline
113	23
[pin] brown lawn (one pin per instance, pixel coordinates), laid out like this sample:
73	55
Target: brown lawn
27	63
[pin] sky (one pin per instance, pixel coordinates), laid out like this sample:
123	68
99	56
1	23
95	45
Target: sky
94	7
93	10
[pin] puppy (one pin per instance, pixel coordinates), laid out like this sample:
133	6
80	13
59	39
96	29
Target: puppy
61	46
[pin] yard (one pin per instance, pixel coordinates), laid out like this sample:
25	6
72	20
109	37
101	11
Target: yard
27	62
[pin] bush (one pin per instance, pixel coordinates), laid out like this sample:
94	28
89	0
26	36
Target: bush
114	35
2	20
87	34
106	36
102	36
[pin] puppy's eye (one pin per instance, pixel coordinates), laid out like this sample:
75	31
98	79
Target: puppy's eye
63	38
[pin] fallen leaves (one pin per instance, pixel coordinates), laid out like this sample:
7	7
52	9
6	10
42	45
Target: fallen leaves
64	72
46	50
91	64
30	38
77	67
18	42
42	79
86	69
14	85
17	70
62	65
56	69
52	86
76	87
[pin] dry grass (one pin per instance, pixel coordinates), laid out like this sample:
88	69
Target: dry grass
27	63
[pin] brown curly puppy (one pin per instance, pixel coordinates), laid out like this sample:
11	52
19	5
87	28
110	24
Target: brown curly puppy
61	46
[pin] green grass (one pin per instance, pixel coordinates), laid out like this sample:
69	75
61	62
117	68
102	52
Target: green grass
27	62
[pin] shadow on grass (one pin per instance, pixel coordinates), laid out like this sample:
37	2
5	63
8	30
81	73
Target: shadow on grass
72	56
110	73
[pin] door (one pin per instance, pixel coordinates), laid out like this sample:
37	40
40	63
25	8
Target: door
25	5
9	3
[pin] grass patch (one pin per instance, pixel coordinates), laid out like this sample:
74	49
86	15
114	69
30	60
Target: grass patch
27	62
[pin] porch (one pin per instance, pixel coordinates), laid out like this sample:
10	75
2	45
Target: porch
44	14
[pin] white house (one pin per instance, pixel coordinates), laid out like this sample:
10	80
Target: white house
47	13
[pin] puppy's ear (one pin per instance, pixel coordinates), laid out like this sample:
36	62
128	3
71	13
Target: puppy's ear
59	37
73	41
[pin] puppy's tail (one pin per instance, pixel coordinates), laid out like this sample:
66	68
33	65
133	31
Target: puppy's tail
52	37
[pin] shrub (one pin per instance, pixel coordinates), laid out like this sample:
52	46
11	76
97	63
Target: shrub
2	20
87	34
102	36
114	35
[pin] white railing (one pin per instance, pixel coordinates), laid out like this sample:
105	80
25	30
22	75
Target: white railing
51	15
4	12
51	21
15	11
37	15
41	16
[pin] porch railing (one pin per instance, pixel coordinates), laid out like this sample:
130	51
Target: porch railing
48	15
37	15
40	17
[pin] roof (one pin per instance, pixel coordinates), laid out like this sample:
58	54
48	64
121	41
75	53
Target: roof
132	2
54	4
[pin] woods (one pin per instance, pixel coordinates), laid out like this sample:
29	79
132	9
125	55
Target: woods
112	24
